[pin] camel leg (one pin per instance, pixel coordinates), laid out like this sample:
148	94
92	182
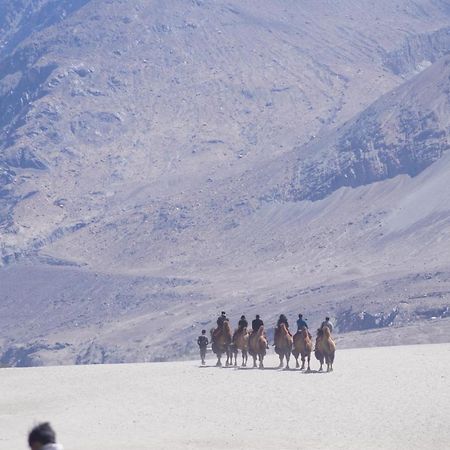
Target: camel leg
254	362
309	360
297	364
219	362
288	357
303	363
261	364
281	362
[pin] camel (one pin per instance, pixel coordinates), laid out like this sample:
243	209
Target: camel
317	349
258	346
240	342
302	346
221	340
283	344
326	348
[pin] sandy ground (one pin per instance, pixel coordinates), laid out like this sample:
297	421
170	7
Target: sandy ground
378	398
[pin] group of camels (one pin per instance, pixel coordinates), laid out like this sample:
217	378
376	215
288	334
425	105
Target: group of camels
256	344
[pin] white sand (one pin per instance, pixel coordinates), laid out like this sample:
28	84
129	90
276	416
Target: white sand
389	398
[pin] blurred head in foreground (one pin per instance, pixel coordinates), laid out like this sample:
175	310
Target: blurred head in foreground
42	437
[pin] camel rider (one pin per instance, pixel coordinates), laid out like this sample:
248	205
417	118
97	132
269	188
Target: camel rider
327	323
282	319
257	323
242	323
221	319
301	323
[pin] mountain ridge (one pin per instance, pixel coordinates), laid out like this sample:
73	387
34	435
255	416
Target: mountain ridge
253	152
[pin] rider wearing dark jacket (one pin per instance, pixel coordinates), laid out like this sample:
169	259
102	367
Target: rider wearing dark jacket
221	319
282	319
257	323
242	323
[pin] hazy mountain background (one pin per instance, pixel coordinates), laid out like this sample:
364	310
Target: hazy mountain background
163	160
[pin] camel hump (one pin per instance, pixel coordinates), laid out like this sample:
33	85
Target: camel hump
331	344
226	327
260	331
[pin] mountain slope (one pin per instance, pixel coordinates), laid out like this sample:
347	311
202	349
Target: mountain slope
161	161
402	133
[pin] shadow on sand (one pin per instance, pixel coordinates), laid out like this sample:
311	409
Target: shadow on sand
277	369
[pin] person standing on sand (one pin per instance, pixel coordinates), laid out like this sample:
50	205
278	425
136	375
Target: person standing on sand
203	342
42	437
327	323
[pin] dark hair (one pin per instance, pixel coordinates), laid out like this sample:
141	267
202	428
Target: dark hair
223	313
242	317
43	434
203	331
327	318
257	316
300	316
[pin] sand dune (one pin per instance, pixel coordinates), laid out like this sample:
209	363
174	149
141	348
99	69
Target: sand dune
389	398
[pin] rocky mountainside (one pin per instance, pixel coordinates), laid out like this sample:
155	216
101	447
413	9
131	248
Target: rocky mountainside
403	132
163	160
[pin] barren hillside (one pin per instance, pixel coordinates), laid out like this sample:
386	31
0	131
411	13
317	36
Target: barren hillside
163	160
